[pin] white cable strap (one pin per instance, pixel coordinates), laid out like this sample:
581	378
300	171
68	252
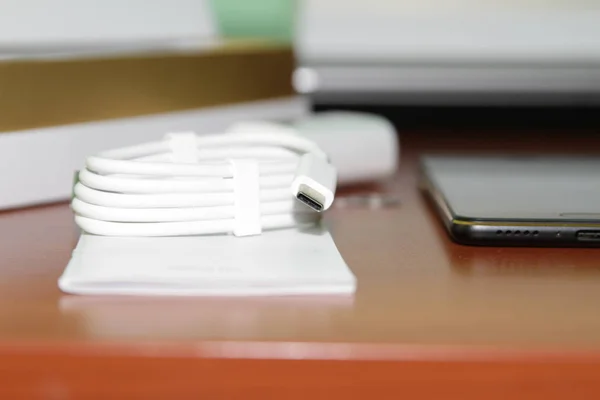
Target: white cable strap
246	197
183	147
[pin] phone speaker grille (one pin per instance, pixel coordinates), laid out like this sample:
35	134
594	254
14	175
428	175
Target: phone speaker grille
517	232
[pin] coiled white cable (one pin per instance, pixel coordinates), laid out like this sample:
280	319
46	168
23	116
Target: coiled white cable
146	190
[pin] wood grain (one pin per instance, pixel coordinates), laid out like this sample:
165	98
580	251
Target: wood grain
430	318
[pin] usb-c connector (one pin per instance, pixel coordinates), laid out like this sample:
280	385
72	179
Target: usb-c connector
315	182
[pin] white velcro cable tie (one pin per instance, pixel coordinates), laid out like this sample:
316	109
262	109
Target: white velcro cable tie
183	147
247	197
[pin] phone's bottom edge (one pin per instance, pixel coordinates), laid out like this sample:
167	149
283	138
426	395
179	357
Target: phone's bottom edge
524	235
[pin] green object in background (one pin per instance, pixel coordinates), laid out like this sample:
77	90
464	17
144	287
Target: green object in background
75	182
272	19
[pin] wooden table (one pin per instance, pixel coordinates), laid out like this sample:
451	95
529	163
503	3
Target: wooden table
430	319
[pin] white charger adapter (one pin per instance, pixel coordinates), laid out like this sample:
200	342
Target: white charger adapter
362	147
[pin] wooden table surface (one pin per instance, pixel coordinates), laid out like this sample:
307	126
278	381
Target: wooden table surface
430	318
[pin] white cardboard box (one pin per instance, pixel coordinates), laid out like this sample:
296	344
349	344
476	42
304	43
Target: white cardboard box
39	23
37	165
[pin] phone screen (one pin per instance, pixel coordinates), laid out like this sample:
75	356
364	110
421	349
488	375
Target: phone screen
517	188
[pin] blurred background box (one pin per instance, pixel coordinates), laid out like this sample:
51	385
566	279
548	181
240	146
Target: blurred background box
59	105
64	86
80	76
450	52
41	23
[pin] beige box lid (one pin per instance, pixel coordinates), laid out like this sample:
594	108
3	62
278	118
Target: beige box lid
38	92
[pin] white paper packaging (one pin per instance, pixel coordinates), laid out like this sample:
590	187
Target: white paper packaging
284	262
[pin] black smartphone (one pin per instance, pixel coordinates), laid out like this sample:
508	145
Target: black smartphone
516	201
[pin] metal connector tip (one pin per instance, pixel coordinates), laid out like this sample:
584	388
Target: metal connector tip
309	201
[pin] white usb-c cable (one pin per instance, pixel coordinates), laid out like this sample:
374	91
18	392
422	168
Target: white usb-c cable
154	189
